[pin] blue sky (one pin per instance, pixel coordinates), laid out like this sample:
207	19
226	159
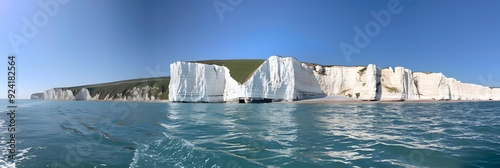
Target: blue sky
95	41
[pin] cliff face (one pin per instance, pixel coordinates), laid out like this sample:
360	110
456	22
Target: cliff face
435	86
58	94
398	84
135	94
495	94
432	86
196	82
287	79
372	86
276	79
83	94
281	79
341	80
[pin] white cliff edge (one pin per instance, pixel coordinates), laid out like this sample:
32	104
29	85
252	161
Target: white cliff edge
287	79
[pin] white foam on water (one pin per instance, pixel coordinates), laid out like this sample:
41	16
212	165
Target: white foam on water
144	154
347	155
397	163
21	154
137	155
4	161
4	164
171	128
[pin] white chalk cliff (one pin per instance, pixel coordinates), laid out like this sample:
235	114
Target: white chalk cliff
495	94
58	94
277	79
134	94
280	79
398	84
196	82
287	79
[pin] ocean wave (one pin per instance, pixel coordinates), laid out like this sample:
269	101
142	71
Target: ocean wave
22	155
171	151
4	160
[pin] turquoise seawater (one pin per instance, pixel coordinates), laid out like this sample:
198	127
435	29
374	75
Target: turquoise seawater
131	134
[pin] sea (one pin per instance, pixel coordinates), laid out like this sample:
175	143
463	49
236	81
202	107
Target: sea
92	134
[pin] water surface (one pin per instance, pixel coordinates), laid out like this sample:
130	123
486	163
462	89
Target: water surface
120	134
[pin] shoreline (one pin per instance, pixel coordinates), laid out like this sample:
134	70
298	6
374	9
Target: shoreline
304	101
319	101
127	101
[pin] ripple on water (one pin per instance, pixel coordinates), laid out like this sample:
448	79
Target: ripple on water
267	135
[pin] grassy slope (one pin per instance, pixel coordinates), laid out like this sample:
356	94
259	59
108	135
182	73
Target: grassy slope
114	88
240	69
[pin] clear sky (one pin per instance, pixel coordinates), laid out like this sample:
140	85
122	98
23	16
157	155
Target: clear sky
93	41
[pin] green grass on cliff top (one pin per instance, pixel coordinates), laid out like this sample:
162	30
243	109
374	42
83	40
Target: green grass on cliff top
114	88
240	69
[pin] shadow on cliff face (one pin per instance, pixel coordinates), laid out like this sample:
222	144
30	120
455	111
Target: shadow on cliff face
378	92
